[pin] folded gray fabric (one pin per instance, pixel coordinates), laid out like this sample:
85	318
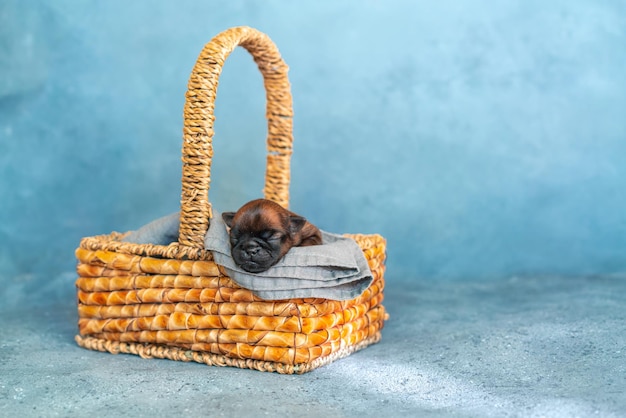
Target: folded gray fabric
162	231
337	269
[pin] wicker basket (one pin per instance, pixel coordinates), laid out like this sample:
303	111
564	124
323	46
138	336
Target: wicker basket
174	302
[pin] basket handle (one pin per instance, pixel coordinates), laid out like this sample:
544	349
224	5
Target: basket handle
198	127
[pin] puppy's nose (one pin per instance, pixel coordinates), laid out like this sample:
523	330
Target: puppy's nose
251	248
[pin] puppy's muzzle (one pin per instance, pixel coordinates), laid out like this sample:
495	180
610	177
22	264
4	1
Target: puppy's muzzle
251	248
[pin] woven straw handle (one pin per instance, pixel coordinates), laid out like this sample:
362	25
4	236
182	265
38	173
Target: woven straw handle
198	127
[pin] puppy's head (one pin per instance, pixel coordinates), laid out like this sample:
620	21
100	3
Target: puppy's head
261	232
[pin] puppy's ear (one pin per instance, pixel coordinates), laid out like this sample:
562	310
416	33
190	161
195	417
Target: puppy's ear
296	223
228	218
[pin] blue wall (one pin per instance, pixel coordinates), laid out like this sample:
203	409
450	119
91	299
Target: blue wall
482	139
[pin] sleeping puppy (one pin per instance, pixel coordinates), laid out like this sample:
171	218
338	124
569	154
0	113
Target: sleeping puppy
262	231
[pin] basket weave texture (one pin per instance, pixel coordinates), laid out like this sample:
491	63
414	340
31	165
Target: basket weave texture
174	302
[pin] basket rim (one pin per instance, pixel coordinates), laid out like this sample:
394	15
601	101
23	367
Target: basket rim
113	242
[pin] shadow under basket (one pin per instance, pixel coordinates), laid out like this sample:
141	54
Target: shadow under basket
174	302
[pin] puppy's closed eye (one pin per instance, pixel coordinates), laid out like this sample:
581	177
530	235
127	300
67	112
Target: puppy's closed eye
271	235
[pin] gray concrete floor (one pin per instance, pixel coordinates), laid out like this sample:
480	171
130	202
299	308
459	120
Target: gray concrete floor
532	347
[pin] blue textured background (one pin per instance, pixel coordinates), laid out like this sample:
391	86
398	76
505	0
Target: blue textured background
482	139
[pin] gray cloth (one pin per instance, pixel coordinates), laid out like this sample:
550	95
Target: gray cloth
337	269
162	231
